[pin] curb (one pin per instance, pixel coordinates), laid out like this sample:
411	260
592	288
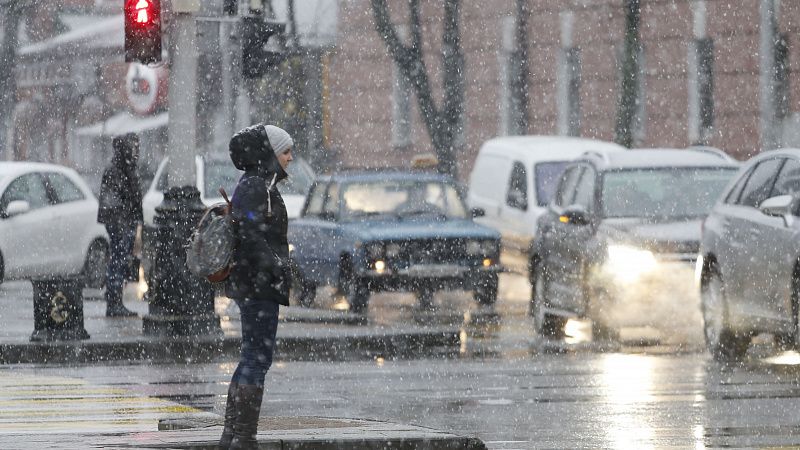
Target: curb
294	348
323	433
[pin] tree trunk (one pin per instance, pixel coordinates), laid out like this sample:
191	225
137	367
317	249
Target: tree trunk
520	97
628	99
444	125
8	85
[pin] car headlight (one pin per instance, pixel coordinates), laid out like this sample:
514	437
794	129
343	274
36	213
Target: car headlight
374	250
489	248
476	247
628	263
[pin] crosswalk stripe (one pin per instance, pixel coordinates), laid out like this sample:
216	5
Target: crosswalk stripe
54	404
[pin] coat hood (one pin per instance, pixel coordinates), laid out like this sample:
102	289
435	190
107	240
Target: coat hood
126	152
251	150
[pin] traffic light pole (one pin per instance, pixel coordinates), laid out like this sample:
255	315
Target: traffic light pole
180	303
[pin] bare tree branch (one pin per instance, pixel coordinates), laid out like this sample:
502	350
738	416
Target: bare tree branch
442	125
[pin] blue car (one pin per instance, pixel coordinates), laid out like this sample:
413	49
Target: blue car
367	232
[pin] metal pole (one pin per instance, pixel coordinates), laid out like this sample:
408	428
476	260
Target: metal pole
180	303
182	100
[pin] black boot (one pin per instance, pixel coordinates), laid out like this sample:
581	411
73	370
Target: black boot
248	407
230	417
115	307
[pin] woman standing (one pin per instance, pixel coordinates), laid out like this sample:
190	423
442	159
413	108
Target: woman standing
120	210
259	281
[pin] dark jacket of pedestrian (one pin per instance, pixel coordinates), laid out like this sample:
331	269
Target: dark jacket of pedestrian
120	210
120	196
260	270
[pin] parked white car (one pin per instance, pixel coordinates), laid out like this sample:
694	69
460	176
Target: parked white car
514	178
48	225
215	172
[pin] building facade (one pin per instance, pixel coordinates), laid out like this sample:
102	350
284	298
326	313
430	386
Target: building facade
710	72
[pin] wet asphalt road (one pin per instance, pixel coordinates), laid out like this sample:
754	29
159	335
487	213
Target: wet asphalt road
653	390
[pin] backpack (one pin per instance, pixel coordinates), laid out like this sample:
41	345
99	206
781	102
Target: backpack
210	250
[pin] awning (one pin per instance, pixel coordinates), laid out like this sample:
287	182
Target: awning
124	122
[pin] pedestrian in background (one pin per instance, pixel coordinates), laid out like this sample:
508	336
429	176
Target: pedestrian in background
120	211
259	280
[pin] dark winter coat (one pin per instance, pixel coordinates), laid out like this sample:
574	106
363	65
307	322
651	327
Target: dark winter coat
260	262
120	202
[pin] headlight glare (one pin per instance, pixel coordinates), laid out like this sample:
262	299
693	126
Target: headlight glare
628	263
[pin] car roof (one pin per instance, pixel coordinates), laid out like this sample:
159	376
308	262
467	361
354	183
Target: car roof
371	176
8	168
546	148
793	152
660	157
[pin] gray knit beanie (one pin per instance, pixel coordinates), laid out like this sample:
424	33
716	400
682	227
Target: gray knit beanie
279	139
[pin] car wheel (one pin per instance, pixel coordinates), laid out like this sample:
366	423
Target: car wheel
94	268
486	291
723	343
545	324
303	291
355	289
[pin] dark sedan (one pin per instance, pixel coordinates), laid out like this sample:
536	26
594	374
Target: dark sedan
366	232
620	238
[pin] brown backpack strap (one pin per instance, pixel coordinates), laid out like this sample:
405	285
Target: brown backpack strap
225	197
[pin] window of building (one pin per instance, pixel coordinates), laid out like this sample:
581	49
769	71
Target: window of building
401	104
701	90
569	92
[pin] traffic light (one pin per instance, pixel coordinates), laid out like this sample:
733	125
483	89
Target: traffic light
143	31
256	58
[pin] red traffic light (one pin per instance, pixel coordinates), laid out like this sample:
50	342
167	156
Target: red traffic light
143	31
142	11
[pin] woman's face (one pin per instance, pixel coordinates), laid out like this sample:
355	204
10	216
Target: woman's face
285	158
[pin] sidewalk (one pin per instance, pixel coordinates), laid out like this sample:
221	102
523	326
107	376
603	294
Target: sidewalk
304	334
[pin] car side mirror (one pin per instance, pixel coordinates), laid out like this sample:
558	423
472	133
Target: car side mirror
17	207
779	206
477	212
575	215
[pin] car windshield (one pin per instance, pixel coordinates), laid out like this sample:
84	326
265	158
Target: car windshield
547	176
667	193
402	198
220	174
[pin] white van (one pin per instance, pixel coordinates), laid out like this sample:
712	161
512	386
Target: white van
515	176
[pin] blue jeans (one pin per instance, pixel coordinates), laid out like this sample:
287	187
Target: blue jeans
121	239
259	326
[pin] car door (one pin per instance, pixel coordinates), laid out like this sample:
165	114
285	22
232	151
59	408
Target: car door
745	281
74	215
514	210
776	250
27	249
560	240
329	234
303	234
